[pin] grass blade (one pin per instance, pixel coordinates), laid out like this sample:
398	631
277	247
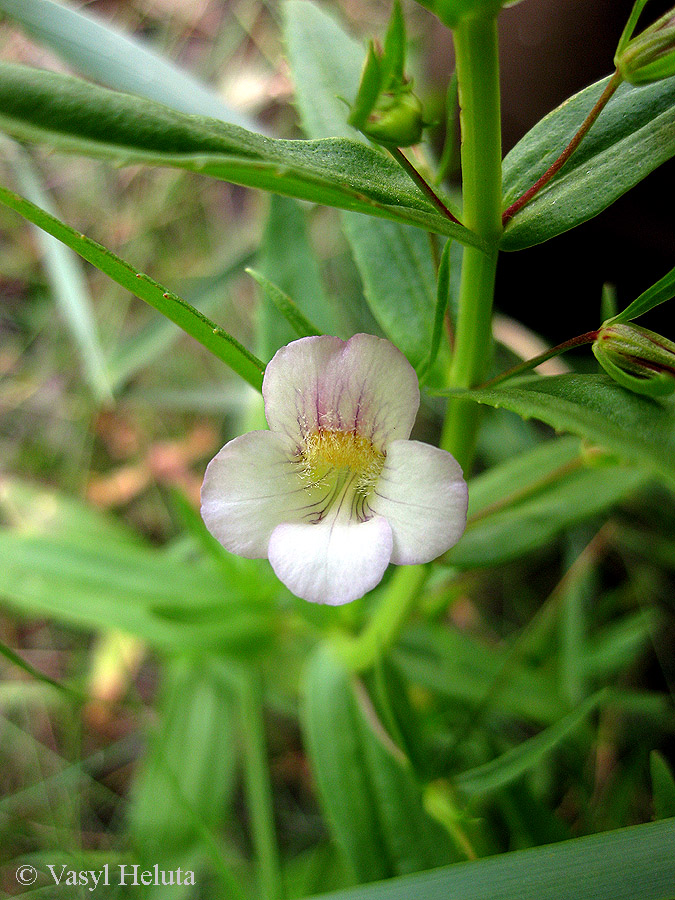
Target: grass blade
516	762
118	60
68	284
635	863
210	335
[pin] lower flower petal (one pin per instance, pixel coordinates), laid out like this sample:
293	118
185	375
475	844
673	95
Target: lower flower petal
251	486
333	562
422	494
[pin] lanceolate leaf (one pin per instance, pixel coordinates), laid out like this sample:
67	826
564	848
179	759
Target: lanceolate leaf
117	60
532	521
658	293
520	759
72	115
370	797
67	282
286	260
219	342
395	262
635	863
187	778
169	603
299	323
663	785
521	504
594	407
634	134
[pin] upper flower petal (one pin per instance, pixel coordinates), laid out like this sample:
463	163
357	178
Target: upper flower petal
422	494
251	486
333	562
364	385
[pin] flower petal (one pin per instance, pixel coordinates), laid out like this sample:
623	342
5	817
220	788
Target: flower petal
251	486
422	494
333	562
364	385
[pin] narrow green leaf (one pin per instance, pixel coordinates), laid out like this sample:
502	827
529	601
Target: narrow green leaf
75	116
143	348
184	785
523	475
636	863
615	647
523	503
633	135
658	293
637	428
210	335
395	262
287	259
190	766
259	787
371	800
577	592
525	756
442	299
67	281
118	60
465	669
16	660
400	717
65	561
32	509
326	65
299	323
663	786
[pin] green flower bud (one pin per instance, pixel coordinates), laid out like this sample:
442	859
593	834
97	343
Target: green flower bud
395	119
651	55
385	108
636	358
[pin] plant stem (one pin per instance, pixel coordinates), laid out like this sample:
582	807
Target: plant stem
258	788
602	101
477	60
528	364
422	184
389	618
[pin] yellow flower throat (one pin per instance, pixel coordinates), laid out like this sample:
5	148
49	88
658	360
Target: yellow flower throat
328	450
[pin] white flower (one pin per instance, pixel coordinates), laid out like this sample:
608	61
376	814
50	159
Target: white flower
335	491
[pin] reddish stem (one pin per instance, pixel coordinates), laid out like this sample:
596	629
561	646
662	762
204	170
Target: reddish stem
528	364
602	101
419	180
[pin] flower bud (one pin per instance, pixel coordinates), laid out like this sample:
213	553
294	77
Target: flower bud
385	108
396	118
651	55
636	358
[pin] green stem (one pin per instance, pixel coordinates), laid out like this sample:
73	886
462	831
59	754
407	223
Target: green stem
258	788
389	618
477	59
